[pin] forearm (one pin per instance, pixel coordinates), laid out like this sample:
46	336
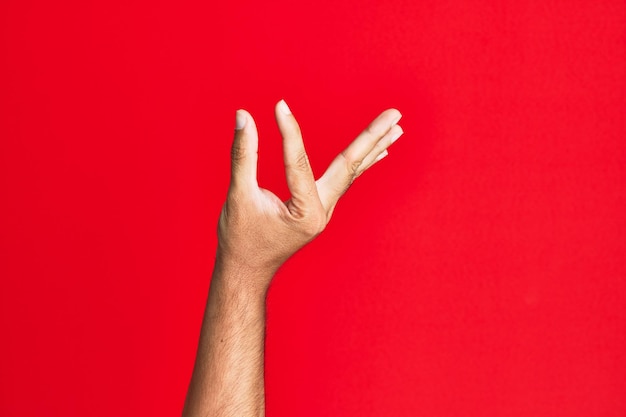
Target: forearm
228	374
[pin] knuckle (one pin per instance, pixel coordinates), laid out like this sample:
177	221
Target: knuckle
352	164
354	168
302	162
232	209
374	130
239	201
315	224
237	153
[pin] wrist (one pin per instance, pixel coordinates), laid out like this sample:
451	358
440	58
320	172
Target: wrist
240	278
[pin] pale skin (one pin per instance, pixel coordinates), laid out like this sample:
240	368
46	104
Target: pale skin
257	233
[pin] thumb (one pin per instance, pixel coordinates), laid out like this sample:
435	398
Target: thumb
244	151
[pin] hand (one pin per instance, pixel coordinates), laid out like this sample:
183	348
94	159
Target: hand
257	232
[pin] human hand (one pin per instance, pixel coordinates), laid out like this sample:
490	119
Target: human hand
257	231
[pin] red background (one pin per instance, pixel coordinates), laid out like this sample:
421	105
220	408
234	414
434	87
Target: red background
479	270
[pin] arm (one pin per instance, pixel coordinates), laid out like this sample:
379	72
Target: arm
257	232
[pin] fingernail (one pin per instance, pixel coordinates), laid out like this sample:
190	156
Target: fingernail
396	136
396	120
382	155
240	120
283	107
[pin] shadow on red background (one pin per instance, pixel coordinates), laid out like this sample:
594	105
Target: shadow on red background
479	270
